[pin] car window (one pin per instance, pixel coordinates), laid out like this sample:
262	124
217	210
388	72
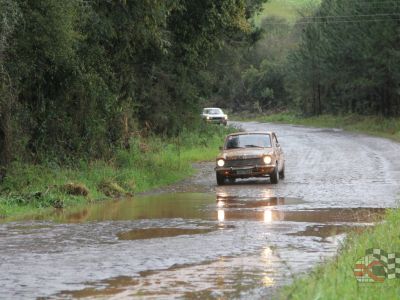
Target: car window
248	141
213	111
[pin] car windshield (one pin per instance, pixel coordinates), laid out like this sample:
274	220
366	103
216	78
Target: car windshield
213	111
248	141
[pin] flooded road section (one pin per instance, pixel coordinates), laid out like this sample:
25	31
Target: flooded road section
171	245
198	241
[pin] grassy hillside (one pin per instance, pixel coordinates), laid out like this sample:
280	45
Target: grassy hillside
285	9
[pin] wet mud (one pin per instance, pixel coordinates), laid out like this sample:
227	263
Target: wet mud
197	240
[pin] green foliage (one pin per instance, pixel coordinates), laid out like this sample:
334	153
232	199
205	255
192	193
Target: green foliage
339	57
348	60
79	78
287	10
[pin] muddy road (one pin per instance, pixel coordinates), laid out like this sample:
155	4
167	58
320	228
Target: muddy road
197	240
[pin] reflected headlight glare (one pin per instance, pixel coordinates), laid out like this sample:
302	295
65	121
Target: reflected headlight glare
221	215
220	162
267	159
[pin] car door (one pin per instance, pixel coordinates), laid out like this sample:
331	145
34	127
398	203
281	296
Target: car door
278	151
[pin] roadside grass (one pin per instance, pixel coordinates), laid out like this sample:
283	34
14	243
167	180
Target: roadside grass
372	125
149	163
335	280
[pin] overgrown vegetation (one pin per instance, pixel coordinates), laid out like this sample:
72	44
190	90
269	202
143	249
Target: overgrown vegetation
102	98
348	60
336	280
149	162
78	78
285	10
321	57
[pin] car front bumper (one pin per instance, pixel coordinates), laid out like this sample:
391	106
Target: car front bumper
216	121
245	172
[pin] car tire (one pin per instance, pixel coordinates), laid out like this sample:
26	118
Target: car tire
282	173
274	177
220	179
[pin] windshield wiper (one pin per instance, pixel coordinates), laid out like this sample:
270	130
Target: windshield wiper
235	147
253	146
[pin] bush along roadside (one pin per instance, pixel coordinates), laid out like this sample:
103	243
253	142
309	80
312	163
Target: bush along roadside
365	267
150	162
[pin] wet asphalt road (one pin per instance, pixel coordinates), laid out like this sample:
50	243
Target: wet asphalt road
197	240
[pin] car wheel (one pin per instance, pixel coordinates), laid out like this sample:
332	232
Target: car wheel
220	179
275	175
282	173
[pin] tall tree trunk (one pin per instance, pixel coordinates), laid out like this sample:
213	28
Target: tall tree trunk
6	101
5	138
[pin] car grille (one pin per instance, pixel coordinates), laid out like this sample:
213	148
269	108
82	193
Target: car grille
216	118
237	163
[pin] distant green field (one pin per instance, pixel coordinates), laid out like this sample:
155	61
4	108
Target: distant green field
285	9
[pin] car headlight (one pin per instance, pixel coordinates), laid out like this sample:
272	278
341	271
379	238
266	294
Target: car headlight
267	159
226	117
208	118
220	162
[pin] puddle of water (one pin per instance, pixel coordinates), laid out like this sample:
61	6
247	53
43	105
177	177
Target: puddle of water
254	202
227	277
332	215
329	230
269	215
103	288
220	207
197	229
167	206
151	233
163	206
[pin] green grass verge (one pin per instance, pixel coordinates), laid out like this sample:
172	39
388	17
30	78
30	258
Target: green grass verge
149	163
372	125
335	280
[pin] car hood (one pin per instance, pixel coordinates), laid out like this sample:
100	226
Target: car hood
244	153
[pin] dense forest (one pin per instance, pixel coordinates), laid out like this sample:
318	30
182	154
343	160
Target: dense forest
338	57
79	77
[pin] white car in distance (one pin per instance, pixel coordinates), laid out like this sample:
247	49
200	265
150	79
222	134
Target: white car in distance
214	115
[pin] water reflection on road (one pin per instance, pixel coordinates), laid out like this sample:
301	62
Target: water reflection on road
201	241
238	246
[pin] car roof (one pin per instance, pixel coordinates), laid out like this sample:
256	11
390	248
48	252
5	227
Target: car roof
251	132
